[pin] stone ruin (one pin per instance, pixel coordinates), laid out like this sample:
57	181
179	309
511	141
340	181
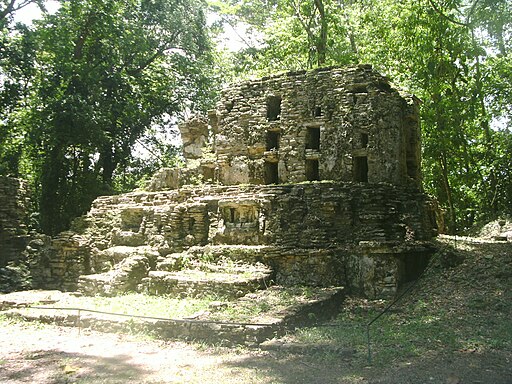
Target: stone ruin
14	236
305	178
13	219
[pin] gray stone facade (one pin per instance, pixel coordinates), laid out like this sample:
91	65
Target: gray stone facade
315	175
342	124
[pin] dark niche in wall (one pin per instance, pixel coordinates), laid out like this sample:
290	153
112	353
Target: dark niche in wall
271	173
312	171
273	108
364	140
272	140
361	169
313	138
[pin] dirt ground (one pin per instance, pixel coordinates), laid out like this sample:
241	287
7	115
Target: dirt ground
468	292
55	355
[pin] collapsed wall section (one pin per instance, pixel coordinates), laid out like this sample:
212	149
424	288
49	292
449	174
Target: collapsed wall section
13	219
310	233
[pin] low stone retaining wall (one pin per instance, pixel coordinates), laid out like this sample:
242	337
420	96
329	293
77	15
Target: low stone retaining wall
228	333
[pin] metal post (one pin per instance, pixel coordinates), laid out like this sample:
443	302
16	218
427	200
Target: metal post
369	344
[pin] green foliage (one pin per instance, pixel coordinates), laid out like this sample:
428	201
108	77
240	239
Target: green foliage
85	85
453	55
83	88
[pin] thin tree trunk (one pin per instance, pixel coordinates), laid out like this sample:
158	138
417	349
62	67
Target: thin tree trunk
321	45
446	183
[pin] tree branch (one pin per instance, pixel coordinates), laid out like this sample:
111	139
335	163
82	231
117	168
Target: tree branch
440	12
306	27
233	27
12	7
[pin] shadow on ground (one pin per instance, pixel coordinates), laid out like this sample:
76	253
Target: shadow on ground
58	367
459	368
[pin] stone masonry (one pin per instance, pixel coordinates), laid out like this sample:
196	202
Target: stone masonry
13	219
315	176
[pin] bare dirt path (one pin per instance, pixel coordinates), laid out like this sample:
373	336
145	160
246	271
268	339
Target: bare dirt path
52	354
56	355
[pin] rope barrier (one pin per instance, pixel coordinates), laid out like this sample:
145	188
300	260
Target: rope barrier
179	321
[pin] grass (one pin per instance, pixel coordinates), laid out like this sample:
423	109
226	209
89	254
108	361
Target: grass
139	305
251	308
462	305
271	302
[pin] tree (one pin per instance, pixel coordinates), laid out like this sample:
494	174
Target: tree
108	71
289	34
9	7
16	70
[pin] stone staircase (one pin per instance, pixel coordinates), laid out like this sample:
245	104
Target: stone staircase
185	274
207	281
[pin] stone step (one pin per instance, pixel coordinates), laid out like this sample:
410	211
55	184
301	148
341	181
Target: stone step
284	309
123	277
207	282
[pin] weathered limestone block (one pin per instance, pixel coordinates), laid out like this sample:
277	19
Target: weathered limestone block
194	134
123	278
127	238
172	262
218	282
166	178
109	257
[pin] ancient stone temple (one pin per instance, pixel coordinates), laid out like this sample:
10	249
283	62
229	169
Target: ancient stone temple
308	178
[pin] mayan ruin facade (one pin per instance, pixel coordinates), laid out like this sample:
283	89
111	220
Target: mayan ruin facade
309	178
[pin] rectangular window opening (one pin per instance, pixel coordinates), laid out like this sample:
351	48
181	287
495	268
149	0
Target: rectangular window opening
191	224
361	169
271	173
317	112
272	140
312	172
364	140
208	174
232	215
273	108
313	138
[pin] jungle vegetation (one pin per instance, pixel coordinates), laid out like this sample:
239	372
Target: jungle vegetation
84	88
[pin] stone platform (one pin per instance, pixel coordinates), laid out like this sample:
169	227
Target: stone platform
217	325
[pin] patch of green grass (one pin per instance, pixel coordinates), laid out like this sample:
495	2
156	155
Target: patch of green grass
272	301
140	305
409	332
8	320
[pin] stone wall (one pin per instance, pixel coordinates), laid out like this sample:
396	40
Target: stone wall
315	174
308	215
13	219
308	233
342	124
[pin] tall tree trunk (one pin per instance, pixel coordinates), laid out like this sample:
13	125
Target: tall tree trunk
108	166
52	220
446	183
321	44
